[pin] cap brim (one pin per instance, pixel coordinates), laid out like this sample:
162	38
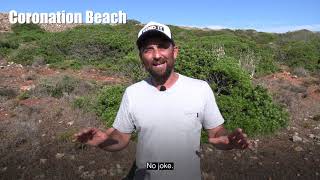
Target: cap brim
151	34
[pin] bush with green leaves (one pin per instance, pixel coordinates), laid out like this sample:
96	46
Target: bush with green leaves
241	104
106	103
253	111
302	54
57	86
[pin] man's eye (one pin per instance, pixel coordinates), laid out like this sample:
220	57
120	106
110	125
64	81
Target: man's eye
146	50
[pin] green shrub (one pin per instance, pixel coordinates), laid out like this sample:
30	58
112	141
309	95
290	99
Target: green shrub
27	32
241	104
18	28
107	103
253	111
303	54
23	95
8	44
56	87
67	64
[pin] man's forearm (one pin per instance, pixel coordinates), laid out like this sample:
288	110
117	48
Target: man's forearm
115	142
222	132
222	146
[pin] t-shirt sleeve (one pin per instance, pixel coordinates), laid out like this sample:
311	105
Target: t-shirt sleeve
124	121
211	114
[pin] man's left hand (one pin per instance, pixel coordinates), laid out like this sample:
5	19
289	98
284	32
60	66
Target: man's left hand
222	140
238	139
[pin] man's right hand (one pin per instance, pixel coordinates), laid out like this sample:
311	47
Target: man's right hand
93	136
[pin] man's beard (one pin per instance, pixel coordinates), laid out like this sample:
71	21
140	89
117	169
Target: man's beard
161	78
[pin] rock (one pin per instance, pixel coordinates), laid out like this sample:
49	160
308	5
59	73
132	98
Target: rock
102	172
59	155
80	168
27	88
70	123
119	170
92	162
238	154
88	175
304	140
4	169
72	157
43	161
296	138
254	157
112	172
253	145
298	149
311	136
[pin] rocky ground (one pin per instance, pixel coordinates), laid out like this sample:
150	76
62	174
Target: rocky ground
36	132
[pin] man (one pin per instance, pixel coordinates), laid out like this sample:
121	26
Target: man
168	111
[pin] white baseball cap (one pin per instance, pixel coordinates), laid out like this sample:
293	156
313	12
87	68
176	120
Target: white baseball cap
153	29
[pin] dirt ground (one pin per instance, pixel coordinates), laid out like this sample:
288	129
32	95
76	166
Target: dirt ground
36	133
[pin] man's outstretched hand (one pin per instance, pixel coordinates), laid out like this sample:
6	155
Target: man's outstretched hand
235	140
238	139
93	136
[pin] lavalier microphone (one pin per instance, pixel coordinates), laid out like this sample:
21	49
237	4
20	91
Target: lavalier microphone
163	88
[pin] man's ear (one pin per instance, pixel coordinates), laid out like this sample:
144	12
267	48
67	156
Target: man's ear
140	54
175	52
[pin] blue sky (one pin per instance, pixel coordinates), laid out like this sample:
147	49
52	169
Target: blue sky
263	15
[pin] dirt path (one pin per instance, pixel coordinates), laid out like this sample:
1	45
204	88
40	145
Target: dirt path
36	134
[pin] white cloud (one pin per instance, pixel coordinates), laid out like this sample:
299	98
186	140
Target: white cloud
283	29
216	27
273	29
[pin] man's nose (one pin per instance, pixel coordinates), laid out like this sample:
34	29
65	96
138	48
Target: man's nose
156	54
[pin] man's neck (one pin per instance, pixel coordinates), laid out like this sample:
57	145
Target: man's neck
165	82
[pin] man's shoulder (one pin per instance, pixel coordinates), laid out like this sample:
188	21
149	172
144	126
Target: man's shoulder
193	81
138	86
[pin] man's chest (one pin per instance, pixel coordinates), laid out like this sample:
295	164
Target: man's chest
168	112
